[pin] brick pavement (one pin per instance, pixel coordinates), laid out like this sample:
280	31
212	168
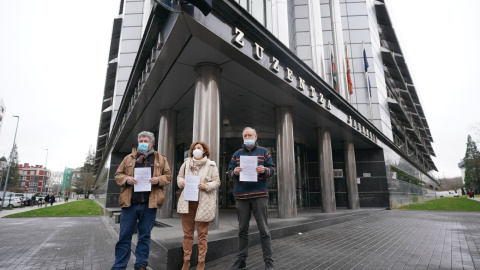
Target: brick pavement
57	243
387	240
390	240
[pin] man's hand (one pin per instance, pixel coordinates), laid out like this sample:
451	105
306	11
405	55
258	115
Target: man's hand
237	170
131	181
260	169
154	181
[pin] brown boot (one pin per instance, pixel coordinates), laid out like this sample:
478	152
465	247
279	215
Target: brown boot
201	265
186	265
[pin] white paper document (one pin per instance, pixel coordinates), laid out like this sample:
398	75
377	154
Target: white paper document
190	192
249	168
142	175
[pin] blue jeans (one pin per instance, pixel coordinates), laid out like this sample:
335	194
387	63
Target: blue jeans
146	219
245	208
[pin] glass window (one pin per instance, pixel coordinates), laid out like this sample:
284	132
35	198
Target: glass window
243	3
268	14
260	10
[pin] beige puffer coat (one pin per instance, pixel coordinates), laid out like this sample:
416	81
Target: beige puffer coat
207	201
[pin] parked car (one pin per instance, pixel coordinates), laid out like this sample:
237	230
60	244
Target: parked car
11	202
447	194
28	201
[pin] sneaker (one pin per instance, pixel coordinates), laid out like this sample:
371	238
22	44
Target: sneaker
268	265
141	267
240	264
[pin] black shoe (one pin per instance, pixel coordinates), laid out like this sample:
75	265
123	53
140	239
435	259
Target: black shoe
268	265
240	264
141	267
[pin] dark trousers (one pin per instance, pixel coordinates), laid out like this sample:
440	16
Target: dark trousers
128	220
245	208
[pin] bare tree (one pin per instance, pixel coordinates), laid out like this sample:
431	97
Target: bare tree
84	183
454	183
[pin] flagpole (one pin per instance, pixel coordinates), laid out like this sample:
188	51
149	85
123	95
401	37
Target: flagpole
369	90
331	68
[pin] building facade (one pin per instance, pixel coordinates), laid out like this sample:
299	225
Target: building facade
67	180
34	178
324	83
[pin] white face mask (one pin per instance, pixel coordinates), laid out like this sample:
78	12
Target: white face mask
197	153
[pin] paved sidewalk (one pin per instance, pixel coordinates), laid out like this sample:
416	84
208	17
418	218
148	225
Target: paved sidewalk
391	240
387	240
57	243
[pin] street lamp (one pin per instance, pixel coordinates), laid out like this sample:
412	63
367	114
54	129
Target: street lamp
9	163
45	175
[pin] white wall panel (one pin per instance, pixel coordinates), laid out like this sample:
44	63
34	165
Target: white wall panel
133	32
132	20
304	52
128	59
302	25
358	22
128	46
355	9
133	7
123	73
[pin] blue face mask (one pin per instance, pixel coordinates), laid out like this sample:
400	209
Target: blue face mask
249	143
142	147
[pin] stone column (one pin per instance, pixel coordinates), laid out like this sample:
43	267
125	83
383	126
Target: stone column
326	171
351	175
167	128
338	47
280	26
206	112
316	37
287	202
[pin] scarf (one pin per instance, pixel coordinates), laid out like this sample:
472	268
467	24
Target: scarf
196	165
144	155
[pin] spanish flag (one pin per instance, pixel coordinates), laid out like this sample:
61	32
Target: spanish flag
349	79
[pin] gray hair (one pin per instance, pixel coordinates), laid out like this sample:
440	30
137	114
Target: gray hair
147	134
254	131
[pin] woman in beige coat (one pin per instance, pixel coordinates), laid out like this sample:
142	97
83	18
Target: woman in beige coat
202	211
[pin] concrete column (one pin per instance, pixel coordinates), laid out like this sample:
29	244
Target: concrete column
287	202
351	175
167	128
280	27
338	46
316	37
326	171
206	112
